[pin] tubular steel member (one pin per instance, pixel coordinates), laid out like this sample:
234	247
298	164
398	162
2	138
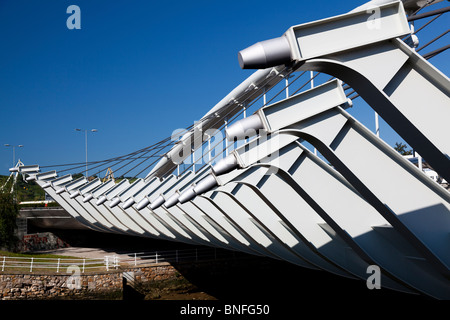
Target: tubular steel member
70	186
386	72
311	241
249	90
268	244
145	221
208	211
287	203
196	220
90	200
162	219
155	197
103	198
325	96
213	214
335	249
328	99
132	217
80	215
85	193
335	97
335	133
137	196
132	222
165	207
78	196
148	187
307	183
276	116
208	219
200	224
216	215
305	239
125	194
101	215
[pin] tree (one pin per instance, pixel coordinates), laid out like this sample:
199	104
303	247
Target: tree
401	148
9	210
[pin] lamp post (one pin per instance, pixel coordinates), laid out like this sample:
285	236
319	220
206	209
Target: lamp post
14	151
85	139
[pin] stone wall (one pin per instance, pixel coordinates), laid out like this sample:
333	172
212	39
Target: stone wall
51	286
162	271
40	241
54	286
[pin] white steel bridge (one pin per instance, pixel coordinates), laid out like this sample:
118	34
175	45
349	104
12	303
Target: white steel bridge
301	179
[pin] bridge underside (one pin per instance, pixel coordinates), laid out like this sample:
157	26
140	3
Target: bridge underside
55	218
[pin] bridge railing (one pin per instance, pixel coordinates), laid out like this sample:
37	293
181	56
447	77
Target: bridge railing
38	264
174	256
111	262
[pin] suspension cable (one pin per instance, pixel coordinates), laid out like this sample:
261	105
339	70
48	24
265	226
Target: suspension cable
433	40
161	145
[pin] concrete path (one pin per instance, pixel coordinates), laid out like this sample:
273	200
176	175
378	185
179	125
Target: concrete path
88	253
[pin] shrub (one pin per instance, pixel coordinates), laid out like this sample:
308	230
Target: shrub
9	210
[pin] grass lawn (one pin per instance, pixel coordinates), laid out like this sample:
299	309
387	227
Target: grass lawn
35	255
46	263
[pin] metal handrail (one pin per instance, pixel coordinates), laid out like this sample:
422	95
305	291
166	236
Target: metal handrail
112	261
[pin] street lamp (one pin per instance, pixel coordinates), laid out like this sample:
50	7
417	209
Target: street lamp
14	151
85	138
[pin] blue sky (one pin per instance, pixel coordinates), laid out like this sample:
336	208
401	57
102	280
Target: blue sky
136	70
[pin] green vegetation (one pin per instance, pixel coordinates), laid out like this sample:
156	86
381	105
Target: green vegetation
9	206
130	179
35	255
89	295
401	148
30	190
9	209
178	288
23	190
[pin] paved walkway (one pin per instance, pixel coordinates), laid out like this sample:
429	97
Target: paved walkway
89	253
